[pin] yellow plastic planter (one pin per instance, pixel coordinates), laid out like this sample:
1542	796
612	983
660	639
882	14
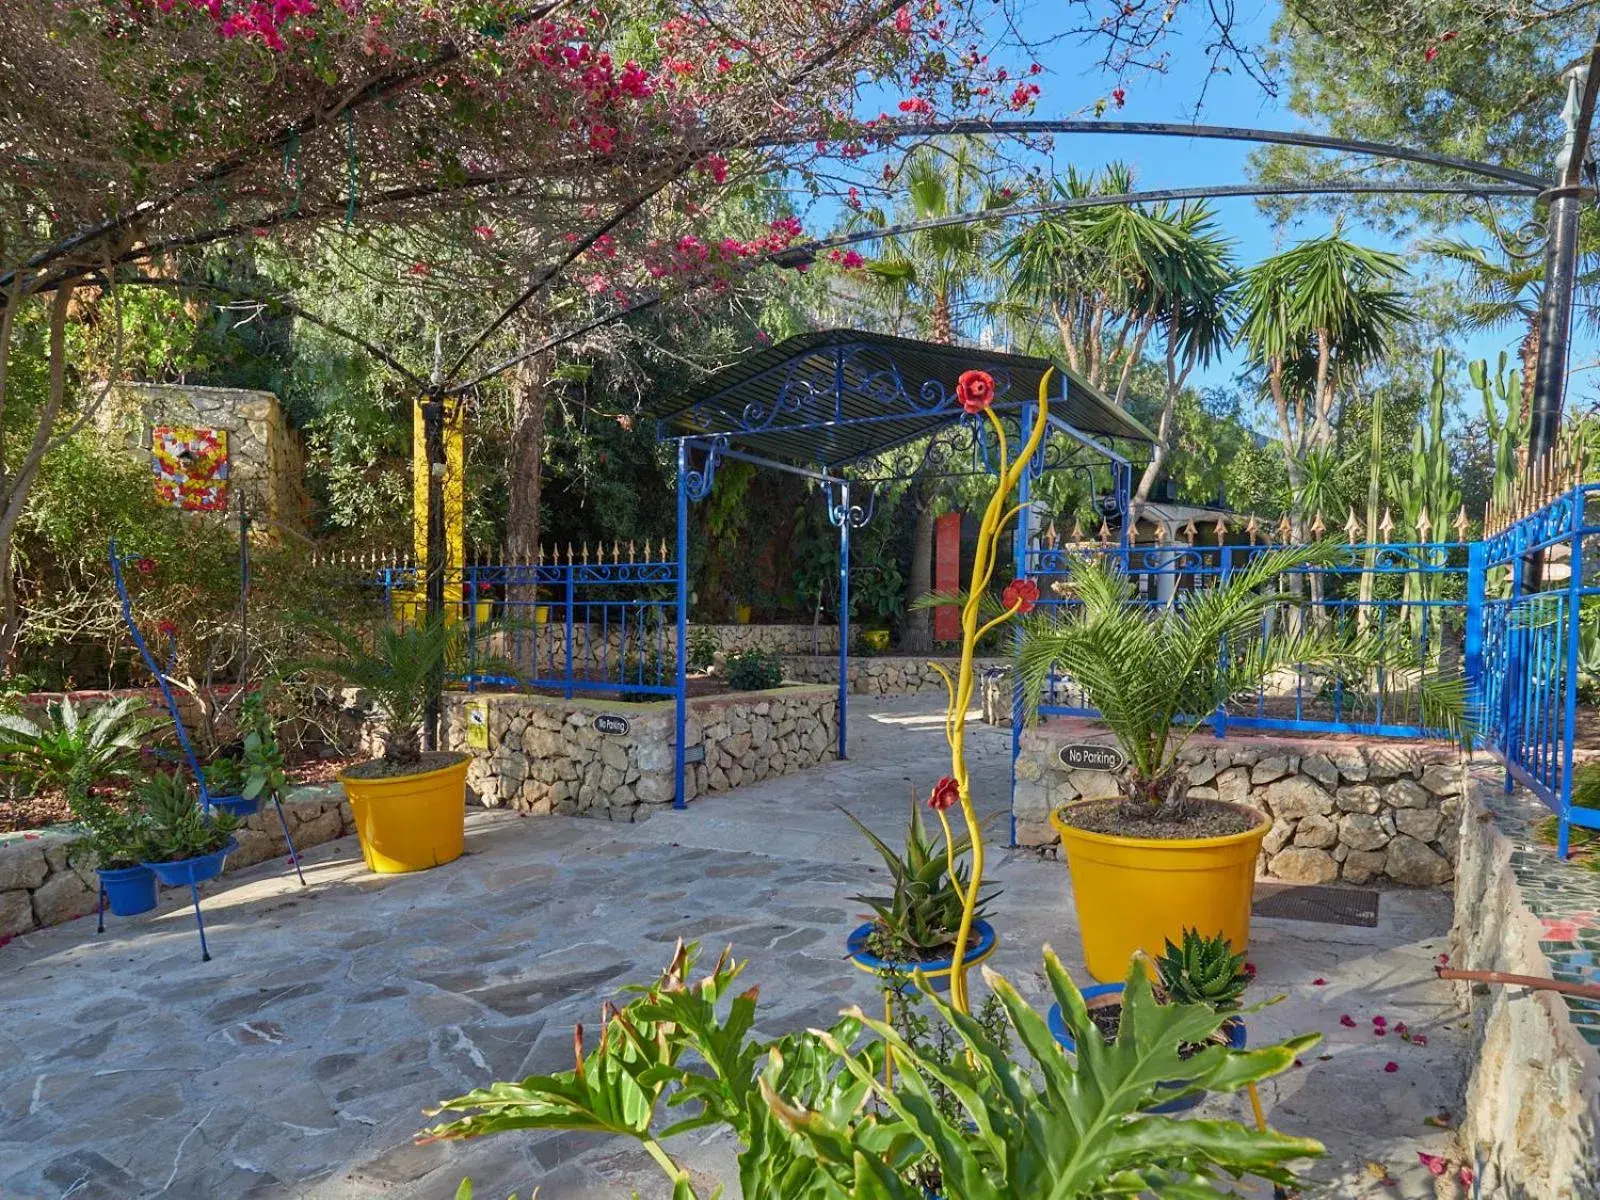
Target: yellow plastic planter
1136	893
410	822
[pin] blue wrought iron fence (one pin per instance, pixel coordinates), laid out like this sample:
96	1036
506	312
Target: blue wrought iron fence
607	625
1421	592
1533	648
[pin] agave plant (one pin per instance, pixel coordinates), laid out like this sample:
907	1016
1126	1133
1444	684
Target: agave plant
816	1118
918	920
72	751
1150	672
1204	970
175	826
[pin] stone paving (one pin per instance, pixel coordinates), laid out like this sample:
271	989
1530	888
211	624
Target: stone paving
297	1062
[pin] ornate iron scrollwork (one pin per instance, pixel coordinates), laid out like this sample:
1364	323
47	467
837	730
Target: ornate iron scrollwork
698	484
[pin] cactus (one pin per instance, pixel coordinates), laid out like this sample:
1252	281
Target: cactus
1205	970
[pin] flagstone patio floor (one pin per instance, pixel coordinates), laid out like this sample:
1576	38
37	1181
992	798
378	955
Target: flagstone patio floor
298	1061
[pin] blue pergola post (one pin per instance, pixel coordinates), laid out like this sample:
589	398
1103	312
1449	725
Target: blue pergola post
1019	555
844	620
680	798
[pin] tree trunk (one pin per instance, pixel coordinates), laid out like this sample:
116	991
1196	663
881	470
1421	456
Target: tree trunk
916	635
525	469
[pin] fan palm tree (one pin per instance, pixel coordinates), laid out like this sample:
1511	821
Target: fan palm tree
932	279
1312	317
1149	673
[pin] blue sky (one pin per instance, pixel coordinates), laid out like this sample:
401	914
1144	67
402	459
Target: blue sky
1072	82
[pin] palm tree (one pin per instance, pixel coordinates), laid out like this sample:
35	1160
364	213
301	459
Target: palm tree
1312	317
1505	286
1146	671
932	279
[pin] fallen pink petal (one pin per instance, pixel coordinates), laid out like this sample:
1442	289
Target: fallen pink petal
1435	1164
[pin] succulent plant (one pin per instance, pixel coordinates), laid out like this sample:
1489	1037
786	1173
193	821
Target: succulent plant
1205	970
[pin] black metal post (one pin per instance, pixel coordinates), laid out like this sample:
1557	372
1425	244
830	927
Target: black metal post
433	441
1565	202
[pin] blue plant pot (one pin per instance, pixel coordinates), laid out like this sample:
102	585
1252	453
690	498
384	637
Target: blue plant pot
130	890
239	806
193	870
1237	1039
937	970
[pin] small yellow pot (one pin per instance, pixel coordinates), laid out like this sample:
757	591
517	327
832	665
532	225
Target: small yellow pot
742	613
875	639
410	822
483	612
541	614
1137	893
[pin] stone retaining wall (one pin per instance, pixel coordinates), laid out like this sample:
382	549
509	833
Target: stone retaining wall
36	705
544	754
1363	812
1533	1099
47	876
879	675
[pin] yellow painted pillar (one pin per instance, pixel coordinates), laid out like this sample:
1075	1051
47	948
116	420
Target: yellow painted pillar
455	540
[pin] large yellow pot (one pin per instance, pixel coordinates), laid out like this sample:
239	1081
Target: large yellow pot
410	822
1136	893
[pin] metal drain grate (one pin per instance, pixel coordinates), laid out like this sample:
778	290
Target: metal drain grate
1324	905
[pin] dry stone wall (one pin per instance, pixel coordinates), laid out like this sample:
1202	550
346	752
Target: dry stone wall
1362	812
546	754
1531	1117
47	876
880	675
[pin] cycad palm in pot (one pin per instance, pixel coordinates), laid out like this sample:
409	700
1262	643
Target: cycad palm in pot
409	804
1153	861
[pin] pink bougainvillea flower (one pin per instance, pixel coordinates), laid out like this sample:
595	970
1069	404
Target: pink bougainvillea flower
1379	1031
975	390
1319	981
1419	1039
1250	969
1400	1028
419	268
1380	1022
1020	594
1466	1176
1435	1164
1391	1067
946	794
145	566
484	231
1347	1021
1431	53
1443	960
1119	96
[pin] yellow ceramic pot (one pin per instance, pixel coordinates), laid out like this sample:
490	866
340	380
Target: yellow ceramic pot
742	613
1137	893
483	612
410	822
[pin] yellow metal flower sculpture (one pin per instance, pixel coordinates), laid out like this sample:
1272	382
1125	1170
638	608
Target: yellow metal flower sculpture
975	390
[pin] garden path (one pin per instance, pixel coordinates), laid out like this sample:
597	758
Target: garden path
297	1062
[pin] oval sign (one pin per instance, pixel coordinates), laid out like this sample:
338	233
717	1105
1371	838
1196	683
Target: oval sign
1087	756
610	723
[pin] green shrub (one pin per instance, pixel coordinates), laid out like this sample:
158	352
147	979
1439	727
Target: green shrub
703	647
754	670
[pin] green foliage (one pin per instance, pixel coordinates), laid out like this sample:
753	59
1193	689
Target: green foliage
920	917
816	1119
70	752
703	647
263	767
396	666
175	827
1204	970
224	776
117	833
1143	671
754	670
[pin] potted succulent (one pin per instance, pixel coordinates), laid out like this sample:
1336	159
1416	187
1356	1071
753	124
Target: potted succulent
182	842
115	834
409	804
238	782
225	779
1152	861
1203	970
914	928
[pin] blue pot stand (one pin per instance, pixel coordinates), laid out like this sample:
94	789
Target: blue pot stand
1237	1039
193	872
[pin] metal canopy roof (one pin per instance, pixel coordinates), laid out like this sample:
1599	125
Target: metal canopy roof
832	397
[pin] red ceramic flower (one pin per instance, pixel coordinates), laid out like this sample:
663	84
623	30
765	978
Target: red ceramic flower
975	390
946	794
1020	594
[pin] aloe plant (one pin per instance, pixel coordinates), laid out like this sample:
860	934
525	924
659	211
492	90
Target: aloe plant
918	920
816	1117
175	826
1204	970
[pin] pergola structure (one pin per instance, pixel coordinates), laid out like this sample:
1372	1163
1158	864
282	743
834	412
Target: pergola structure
848	408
